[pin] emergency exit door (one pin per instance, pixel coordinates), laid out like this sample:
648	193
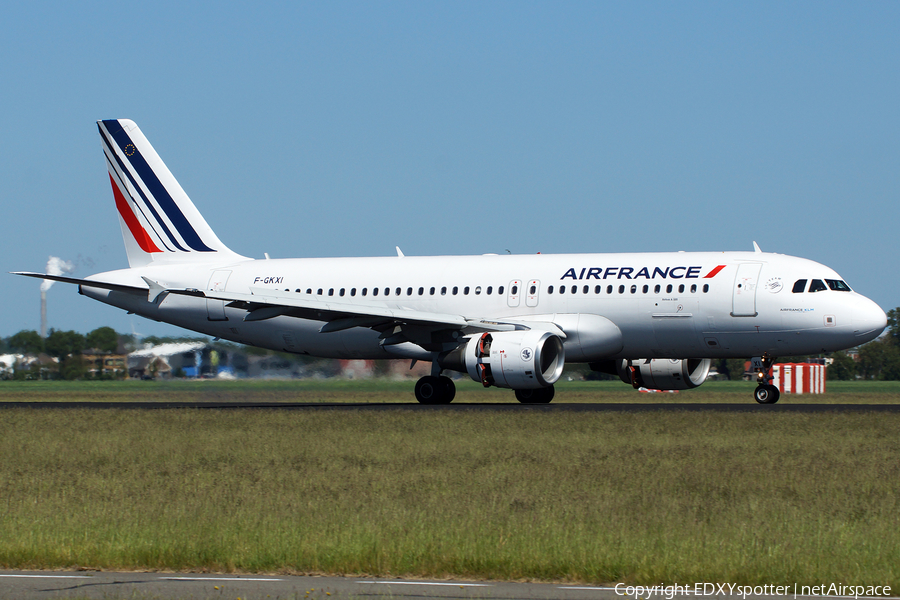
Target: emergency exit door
746	283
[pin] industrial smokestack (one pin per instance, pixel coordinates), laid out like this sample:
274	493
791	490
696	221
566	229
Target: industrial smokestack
55	266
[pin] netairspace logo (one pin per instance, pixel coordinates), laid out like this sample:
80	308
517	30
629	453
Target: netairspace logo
645	592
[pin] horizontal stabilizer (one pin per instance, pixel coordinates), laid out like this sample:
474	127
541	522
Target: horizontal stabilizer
103	285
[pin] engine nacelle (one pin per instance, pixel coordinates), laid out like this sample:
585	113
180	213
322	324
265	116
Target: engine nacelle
520	360
665	373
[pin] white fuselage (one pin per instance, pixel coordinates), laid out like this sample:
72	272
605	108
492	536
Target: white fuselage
666	305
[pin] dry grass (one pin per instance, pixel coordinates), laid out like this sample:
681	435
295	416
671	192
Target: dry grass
638	497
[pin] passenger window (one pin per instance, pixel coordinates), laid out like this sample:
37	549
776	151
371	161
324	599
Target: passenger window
398	290
533	290
331	292
562	289
705	287
309	290
609	289
621	289
387	291
549	289
478	290
633	289
342	291
500	290
669	289
799	286
817	286
837	285
694	288
646	288
444	291
681	289
319	292
656	289
490	290
585	290
421	291
598	289
431	291
455	290
374	291
409	291
364	291
515	290
466	291
298	291
352	291
574	289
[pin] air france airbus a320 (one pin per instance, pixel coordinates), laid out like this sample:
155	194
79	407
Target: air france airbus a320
655	319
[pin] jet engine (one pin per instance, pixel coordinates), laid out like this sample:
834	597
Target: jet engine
664	373
520	360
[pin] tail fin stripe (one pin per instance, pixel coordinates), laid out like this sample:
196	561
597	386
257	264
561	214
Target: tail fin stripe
139	233
158	190
122	171
133	206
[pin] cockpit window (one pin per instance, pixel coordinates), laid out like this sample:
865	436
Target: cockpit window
799	286
817	286
837	285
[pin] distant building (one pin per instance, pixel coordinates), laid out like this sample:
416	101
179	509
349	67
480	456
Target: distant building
167	360
105	363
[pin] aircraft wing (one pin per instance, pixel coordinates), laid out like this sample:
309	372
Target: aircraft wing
397	325
265	303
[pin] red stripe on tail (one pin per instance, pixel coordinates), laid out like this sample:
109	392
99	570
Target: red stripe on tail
136	229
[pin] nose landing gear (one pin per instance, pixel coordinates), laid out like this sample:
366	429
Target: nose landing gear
765	392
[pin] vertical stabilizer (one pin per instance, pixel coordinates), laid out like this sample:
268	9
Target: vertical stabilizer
159	222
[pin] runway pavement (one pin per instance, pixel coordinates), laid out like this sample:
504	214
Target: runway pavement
111	586
107	585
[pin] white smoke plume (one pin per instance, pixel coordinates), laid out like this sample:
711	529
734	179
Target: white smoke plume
56	266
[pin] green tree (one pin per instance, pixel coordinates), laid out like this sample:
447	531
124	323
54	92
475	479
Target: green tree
104	339
734	368
72	367
64	343
26	342
843	368
893	321
880	359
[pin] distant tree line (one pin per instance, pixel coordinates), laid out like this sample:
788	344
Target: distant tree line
879	359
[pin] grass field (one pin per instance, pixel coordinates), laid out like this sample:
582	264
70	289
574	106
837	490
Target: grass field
386	390
584	497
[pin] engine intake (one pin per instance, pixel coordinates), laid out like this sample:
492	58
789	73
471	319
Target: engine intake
520	360
665	373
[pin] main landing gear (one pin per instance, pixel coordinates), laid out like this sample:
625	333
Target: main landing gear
765	392
538	396
433	389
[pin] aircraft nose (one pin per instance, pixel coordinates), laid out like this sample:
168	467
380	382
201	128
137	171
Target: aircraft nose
868	320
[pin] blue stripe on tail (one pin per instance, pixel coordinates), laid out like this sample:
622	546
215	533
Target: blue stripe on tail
155	186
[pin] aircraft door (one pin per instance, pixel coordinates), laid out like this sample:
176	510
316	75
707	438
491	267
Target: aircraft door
215	309
514	293
531	292
745	284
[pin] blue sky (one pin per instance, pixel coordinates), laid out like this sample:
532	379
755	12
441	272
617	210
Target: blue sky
344	129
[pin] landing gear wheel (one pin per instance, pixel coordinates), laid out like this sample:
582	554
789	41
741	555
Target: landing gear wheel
538	396
766	394
448	389
435	390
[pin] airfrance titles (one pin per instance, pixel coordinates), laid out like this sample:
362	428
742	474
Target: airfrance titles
639	273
